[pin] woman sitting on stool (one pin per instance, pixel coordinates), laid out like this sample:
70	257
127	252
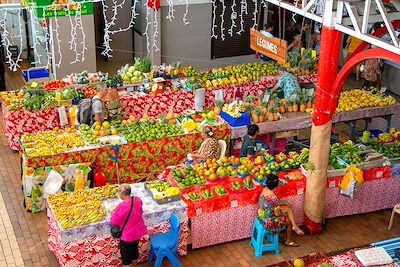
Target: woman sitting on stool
276	216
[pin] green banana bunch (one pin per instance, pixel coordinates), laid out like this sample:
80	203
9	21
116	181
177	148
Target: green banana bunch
248	183
194	196
220	190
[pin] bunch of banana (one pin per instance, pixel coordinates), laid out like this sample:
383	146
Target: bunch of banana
76	139
32	153
49	101
303	157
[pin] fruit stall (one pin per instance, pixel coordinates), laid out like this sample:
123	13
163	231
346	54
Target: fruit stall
79	233
34	108
353	105
222	197
141	150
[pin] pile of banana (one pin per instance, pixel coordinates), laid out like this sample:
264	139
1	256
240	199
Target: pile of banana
81	207
234	109
80	214
49	101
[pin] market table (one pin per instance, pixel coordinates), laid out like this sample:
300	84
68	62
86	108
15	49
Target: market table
301	120
380	191
19	122
92	244
136	160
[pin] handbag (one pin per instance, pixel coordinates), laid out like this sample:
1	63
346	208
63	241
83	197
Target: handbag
115	231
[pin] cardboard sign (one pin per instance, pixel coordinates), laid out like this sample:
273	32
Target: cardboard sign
274	48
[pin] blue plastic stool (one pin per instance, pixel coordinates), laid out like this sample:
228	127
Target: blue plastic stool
257	240
166	245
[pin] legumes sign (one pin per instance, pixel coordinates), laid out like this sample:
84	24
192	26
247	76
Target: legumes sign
274	48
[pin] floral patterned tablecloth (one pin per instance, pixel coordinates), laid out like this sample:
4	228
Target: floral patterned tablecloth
136	160
153	215
16	123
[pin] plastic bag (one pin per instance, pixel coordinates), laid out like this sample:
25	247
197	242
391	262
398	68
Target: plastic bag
63	116
351	182
199	99
80	180
53	183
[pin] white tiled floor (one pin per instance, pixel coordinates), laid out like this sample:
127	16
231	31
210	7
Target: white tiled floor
10	255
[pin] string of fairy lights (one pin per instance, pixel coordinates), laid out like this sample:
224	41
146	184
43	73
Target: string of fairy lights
237	10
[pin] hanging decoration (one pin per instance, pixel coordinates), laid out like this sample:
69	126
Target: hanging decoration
222	20
8	41
185	20
243	10
255	23
134	15
155	29
233	18
171	10
146	32
214	5
57	36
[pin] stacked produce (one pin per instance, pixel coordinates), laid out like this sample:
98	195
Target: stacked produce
356	99
302	63
162	189
54	85
88	90
187	177
231	75
81	207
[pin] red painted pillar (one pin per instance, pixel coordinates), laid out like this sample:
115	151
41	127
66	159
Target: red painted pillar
321	129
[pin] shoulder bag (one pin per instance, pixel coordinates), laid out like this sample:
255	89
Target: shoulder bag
115	231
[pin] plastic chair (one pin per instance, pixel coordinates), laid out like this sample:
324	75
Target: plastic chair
222	145
257	240
166	245
396	209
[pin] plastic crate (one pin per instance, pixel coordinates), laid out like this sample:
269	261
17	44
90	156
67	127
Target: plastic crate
165	200
39	74
236	122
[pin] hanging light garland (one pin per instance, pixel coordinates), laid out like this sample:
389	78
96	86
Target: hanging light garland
255	24
222	20
243	10
171	10
155	29
213	35
147	28
233	18
185	20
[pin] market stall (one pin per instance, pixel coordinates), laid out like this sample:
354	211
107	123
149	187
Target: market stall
135	160
236	223
301	120
92	245
35	107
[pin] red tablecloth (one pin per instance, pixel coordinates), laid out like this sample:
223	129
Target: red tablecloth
103	250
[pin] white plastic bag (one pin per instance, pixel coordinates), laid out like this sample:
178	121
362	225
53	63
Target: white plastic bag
199	99
62	113
53	183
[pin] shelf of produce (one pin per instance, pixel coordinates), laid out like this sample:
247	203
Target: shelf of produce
378	193
301	120
18	122
136	160
92	244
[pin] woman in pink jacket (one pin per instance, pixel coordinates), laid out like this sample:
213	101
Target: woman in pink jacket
134	228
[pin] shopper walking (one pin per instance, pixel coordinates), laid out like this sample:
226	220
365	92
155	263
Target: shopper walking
131	212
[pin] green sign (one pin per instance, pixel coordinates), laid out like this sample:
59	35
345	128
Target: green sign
59	8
